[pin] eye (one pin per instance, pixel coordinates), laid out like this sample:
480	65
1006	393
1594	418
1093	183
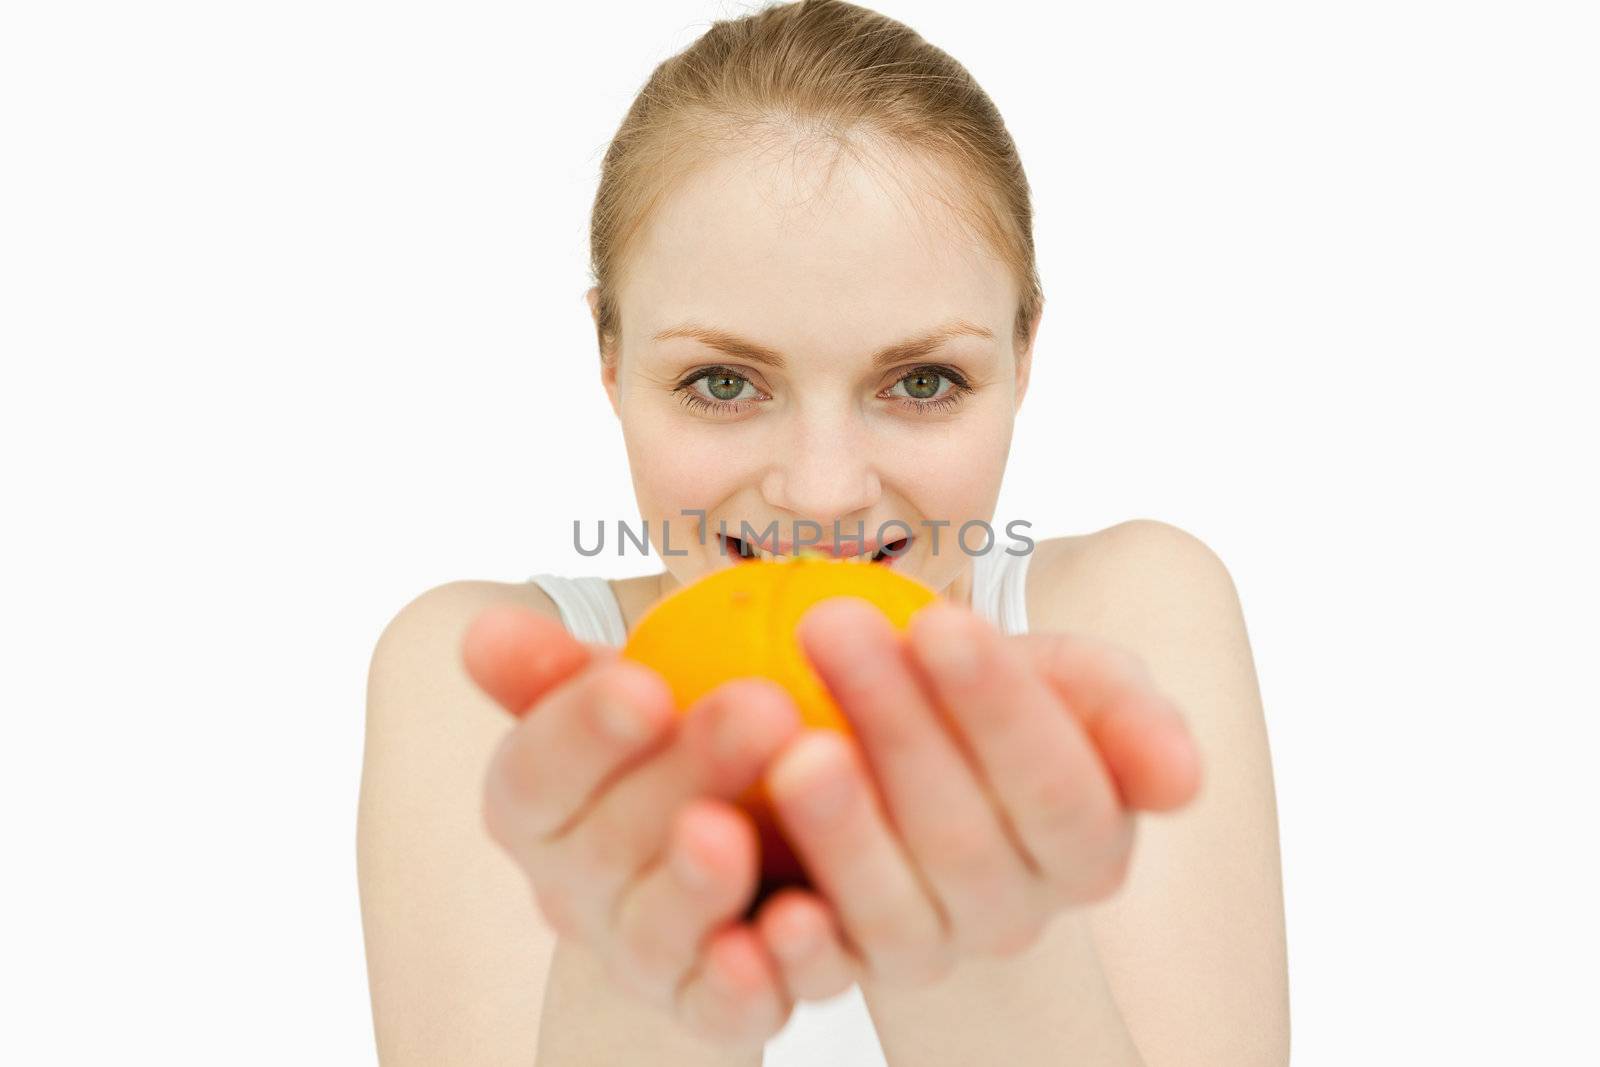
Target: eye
922	388
722	391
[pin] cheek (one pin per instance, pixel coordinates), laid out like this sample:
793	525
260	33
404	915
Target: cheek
961	485
676	466
953	478
953	471
961	461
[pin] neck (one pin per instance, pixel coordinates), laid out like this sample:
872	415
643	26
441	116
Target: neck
960	590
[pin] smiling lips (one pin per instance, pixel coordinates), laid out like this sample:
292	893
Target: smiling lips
741	549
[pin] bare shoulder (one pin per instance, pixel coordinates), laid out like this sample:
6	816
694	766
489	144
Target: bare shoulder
1203	895
457	953
1111	579
417	687
455	604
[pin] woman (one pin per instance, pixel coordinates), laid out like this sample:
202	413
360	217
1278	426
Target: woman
815	302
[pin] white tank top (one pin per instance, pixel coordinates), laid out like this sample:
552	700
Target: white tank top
837	1031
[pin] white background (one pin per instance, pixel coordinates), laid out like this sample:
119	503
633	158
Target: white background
293	330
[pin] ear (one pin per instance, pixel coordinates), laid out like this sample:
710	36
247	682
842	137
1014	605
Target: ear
1025	358
608	368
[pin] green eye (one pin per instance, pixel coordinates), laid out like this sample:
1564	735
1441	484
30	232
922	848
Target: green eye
926	384
725	386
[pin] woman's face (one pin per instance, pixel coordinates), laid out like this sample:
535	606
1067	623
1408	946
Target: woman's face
759	379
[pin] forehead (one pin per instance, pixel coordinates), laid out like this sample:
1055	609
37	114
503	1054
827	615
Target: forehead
812	246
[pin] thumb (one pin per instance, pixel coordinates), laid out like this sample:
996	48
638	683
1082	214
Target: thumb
1141	734
517	655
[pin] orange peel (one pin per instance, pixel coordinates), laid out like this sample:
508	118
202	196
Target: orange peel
739	621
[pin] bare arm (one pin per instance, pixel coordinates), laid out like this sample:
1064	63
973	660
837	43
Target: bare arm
1186	963
1049	1005
458	954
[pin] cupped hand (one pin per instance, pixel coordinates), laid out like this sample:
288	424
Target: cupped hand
620	813
992	782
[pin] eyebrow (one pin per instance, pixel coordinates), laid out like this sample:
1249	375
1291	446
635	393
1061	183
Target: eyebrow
739	348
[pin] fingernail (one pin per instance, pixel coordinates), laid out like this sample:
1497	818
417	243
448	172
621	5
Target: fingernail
793	942
623	721
743	732
951	650
730	739
690	871
725	984
825	791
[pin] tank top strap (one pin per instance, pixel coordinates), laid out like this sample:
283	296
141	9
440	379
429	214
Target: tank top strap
999	586
589	608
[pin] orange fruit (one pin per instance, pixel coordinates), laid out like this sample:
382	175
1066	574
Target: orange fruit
739	621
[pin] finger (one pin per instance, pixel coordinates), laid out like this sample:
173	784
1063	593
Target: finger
587	730
735	995
802	934
936	800
827	805
1139	731
516	655
724	742
707	874
1056	793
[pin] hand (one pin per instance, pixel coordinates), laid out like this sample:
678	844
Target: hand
991	783
619	814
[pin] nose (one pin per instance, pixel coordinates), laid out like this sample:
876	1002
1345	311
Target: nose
824	475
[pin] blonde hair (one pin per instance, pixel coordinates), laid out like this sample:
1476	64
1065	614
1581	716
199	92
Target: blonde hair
830	70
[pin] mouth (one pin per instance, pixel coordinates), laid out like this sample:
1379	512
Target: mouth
742	551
